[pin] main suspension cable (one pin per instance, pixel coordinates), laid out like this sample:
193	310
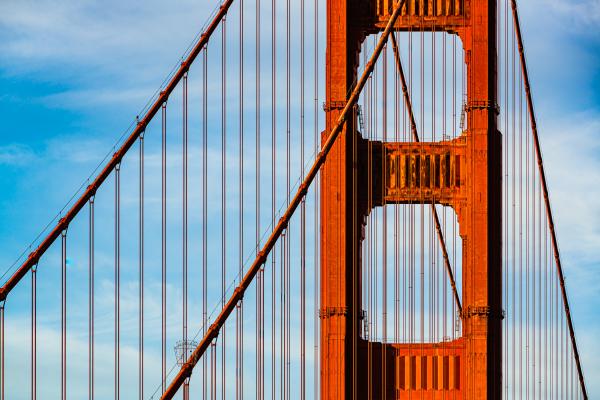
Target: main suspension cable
152	110
238	293
544	185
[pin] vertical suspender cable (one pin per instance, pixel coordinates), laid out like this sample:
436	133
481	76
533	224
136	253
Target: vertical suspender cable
533	278
422	205
562	356
273	187
547	310
259	283
33	333
520	228
548	209
286	264
514	221
527	265
239	315
396	219
384	220
540	288
430	239
556	340
2	369
451	88
204	212
369	234
164	249
316	202
213	371
506	220
302	220
117	278
184	250
91	300
63	317
288	260
410	263
553	355
223	195
384	215
282	246
141	271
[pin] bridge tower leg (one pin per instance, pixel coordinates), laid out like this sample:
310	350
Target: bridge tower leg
471	366
339	285
482	237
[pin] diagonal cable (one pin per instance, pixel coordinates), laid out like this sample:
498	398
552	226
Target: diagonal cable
415	134
90	191
540	163
186	370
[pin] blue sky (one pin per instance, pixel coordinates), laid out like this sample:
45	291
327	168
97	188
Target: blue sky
74	74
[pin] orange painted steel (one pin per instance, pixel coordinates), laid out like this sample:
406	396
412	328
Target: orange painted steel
470	183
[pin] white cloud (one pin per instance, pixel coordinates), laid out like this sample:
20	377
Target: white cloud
581	15
94	33
93	97
16	154
571	149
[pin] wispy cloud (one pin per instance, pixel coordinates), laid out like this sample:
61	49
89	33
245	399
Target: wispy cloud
582	14
572	165
573	168
16	155
88	98
99	34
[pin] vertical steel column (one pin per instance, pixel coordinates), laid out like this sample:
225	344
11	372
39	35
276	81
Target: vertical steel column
338	234
481	221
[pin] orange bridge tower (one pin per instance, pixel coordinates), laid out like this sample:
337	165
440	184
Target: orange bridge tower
464	173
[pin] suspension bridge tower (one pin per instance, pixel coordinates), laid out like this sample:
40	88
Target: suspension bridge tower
464	173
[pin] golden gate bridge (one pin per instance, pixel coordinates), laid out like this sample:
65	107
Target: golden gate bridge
394	241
